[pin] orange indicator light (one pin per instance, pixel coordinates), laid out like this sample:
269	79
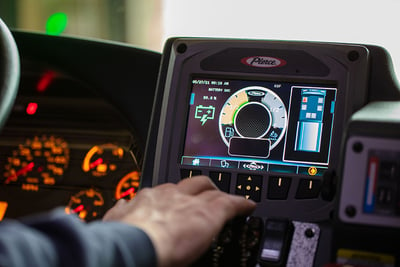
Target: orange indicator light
102	168
312	171
83	214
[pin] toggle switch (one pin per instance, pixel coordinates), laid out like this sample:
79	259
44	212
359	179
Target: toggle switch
278	187
276	242
308	188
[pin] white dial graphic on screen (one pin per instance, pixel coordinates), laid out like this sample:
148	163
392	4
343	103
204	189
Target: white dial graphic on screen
253	112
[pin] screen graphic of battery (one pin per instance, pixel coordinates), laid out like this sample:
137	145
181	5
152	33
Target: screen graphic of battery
310	123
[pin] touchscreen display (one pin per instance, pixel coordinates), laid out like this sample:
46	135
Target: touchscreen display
259	125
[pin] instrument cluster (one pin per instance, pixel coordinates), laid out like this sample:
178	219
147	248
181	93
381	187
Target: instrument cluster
84	178
64	146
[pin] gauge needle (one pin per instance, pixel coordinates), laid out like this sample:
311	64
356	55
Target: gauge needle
96	163
24	170
127	192
78	209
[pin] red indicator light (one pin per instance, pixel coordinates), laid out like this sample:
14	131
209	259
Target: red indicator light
45	81
31	108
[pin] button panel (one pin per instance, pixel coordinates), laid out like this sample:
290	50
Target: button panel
278	187
187	173
377	200
308	188
222	180
249	185
387	185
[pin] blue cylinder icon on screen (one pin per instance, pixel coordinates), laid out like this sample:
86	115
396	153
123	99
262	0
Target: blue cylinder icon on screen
310	123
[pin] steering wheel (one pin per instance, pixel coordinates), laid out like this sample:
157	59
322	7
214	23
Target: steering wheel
9	72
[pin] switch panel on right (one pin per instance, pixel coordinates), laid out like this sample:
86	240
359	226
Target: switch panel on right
371	195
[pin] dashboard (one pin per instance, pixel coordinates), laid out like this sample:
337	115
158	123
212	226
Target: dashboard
309	131
67	142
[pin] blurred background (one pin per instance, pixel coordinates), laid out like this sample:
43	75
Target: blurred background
148	23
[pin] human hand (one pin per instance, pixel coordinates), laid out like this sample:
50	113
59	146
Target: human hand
181	219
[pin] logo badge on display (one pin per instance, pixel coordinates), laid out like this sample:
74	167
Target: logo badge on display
263	62
253	166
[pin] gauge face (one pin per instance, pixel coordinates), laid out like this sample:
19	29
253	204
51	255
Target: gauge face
128	186
253	112
87	204
40	160
102	159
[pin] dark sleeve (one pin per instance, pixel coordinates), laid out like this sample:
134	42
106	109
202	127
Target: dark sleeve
58	239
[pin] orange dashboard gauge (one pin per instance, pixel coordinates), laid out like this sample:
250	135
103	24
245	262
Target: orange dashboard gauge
128	186
102	159
87	204
3	209
40	160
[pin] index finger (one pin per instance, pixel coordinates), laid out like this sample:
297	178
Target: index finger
196	185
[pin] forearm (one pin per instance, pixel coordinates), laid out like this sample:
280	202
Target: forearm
61	240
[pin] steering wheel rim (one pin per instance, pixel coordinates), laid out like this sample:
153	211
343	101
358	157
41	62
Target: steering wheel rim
9	72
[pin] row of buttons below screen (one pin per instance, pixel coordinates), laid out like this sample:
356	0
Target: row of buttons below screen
250	185
252	166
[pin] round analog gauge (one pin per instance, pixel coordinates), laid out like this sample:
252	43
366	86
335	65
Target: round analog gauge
40	160
253	112
102	159
87	204
128	186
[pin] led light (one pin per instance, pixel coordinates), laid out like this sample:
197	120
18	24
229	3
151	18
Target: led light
56	23
45	80
31	108
312	171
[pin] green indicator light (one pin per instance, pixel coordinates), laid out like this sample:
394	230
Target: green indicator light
56	23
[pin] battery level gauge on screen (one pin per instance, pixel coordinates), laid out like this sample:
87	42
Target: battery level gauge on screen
252	115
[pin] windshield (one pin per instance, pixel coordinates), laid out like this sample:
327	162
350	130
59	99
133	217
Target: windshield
134	22
149	23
